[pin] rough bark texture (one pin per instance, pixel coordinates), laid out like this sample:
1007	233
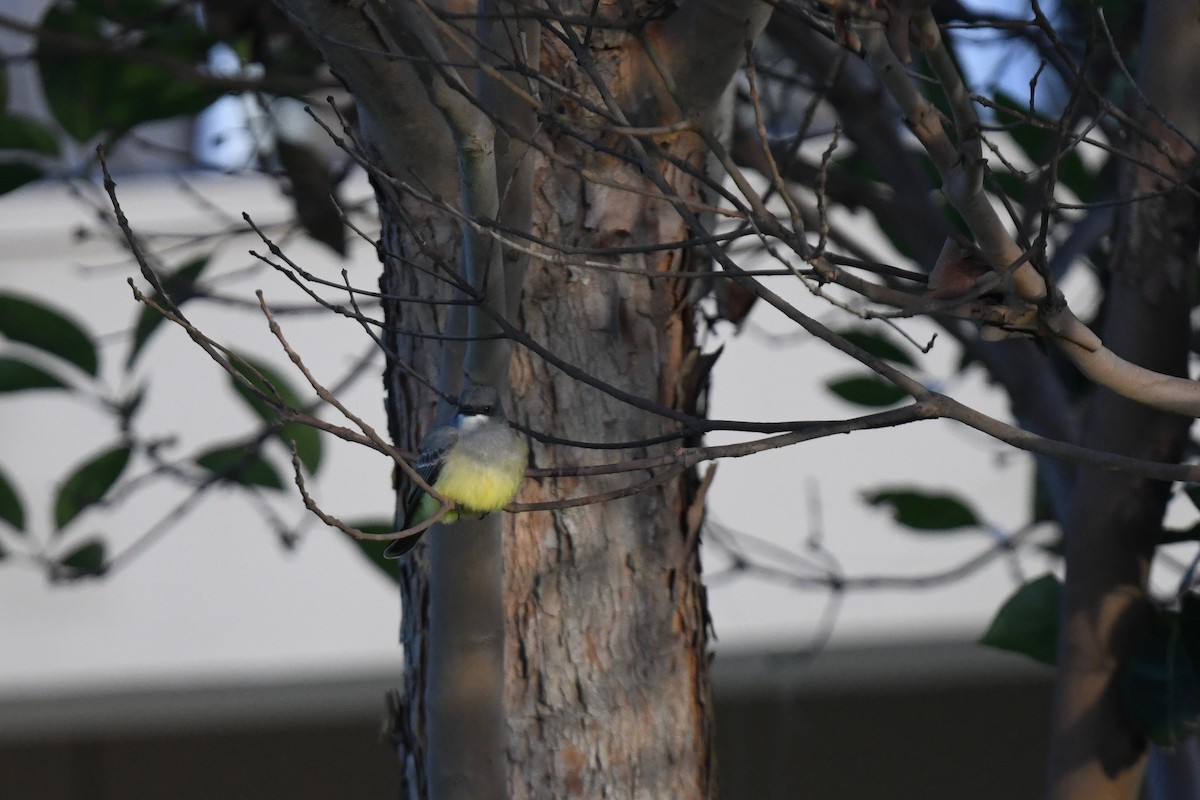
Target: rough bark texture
607	685
411	408
1117	518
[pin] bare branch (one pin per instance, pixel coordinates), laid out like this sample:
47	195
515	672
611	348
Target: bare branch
962	185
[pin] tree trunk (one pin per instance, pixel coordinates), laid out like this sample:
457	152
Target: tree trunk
1116	518
606	627
607	674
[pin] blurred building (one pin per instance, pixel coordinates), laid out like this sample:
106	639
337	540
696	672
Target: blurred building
917	720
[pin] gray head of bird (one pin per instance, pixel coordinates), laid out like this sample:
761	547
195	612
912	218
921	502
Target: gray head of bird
478	404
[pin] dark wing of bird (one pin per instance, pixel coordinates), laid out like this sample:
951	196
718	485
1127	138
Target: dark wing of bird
428	466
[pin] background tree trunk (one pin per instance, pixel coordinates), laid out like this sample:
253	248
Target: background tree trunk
1116	519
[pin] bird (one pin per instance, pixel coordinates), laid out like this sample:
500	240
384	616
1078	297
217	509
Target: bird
477	462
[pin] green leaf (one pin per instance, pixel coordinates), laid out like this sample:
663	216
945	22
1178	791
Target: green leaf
22	133
88	484
37	325
267	381
93	93
867	390
1034	141
87	560
925	512
272	384
18	133
1176	535
180	286
17	375
1162	692
14	176
307	441
1074	174
373	551
1037	138
241	465
1011	184
858	165
877	345
11	510
1027	623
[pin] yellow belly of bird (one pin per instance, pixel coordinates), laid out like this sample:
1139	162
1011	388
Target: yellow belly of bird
478	489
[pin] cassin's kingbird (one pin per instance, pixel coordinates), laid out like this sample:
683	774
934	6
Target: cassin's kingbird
477	462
